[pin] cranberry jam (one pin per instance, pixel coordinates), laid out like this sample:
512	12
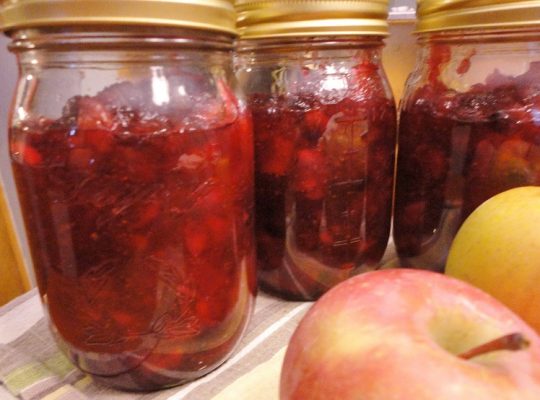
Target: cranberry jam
139	218
459	147
324	176
325	138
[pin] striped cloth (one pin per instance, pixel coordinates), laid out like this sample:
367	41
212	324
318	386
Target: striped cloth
32	367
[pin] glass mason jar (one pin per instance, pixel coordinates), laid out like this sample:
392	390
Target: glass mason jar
469	120
325	135
132	155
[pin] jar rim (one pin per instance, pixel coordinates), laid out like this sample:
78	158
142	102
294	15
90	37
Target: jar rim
104	37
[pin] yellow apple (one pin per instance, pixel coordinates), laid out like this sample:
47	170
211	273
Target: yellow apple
498	250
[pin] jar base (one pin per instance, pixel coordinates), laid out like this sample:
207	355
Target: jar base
288	295
131	382
421	262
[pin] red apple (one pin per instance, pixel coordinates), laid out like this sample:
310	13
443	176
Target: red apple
410	335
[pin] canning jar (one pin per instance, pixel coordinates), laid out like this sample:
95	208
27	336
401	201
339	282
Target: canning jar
469	120
133	161
325	135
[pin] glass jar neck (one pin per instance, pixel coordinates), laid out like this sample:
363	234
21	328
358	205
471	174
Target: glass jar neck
458	60
302	50
74	39
487	36
120	46
303	44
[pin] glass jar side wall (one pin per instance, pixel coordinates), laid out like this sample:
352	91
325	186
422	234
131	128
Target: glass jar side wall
324	123
468	130
133	164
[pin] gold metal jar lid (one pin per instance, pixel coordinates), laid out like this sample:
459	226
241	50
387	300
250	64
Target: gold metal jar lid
442	15
216	15
285	18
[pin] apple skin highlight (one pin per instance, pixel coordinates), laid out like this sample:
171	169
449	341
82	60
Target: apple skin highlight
397	335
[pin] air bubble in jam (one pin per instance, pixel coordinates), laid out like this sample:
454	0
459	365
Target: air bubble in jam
139	219
324	176
458	149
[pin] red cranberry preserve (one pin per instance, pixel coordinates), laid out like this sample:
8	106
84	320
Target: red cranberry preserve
325	138
457	148
139	217
324	175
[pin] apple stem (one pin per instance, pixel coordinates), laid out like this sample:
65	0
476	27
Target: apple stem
513	341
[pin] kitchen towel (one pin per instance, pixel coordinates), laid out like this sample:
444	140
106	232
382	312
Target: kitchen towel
32	367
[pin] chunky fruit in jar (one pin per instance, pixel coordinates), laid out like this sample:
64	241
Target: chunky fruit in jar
458	149
324	176
139	218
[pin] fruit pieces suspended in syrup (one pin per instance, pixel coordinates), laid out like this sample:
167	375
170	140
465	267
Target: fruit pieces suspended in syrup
324	173
457	149
140	224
